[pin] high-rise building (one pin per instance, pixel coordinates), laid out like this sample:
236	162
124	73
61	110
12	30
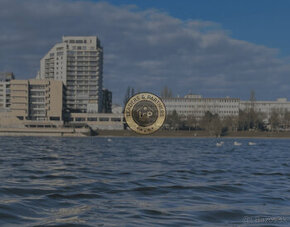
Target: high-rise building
5	78
106	101
78	62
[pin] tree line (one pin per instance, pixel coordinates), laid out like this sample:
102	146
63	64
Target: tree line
247	120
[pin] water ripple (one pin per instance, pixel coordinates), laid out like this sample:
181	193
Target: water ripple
143	182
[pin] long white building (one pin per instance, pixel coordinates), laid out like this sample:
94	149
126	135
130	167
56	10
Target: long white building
78	62
281	106
197	106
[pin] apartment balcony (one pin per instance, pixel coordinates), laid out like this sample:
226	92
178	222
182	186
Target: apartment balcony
19	94
71	63
71	76
39	89
22	106
69	85
37	108
37	94
38	115
19	97
70	95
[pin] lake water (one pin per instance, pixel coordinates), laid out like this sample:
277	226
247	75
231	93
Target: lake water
144	182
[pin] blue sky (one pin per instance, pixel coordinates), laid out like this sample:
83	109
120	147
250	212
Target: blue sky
265	22
214	48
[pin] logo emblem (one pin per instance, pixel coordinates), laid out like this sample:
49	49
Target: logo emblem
145	113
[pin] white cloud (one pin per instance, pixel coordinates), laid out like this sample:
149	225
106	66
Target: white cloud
145	49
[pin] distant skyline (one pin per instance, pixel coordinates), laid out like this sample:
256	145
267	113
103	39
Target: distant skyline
213	48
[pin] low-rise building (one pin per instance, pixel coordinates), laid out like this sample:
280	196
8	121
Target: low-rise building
195	105
5	79
37	100
281	106
98	121
117	108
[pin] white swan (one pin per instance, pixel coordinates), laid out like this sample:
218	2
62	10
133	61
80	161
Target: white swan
219	144
251	143
237	143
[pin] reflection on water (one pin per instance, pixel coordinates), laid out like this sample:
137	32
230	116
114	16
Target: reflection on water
143	182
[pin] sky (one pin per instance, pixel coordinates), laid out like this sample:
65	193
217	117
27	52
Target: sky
208	47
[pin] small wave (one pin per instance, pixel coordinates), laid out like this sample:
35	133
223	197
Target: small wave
73	196
24	191
69	177
268	174
150	190
173	182
221	216
155	212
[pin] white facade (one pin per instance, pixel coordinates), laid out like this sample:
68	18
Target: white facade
78	63
117	109
281	106
197	106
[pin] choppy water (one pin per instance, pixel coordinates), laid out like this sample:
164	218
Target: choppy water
143	182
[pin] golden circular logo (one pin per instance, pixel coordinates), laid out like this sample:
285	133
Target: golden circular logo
145	113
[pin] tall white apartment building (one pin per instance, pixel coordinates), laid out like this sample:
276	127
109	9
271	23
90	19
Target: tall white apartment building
78	62
197	106
5	97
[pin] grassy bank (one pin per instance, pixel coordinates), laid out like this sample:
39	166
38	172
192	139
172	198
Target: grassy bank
242	134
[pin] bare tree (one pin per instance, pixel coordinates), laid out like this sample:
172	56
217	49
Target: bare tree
286	120
132	91
191	122
211	123
173	120
166	92
127	95
274	120
252	100
230	123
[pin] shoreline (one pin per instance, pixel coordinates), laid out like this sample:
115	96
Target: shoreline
194	134
83	132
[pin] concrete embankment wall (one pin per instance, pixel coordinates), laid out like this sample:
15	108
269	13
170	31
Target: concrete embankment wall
66	132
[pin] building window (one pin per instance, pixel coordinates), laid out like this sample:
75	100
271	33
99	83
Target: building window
104	119
54	118
80	119
92	119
